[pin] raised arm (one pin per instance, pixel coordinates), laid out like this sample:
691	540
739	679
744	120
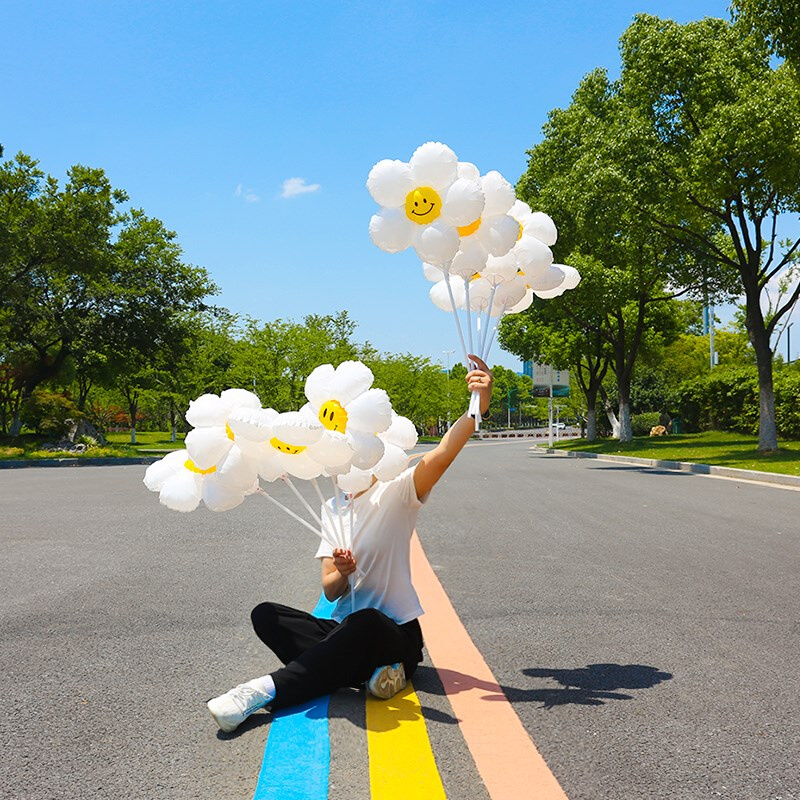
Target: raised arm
434	463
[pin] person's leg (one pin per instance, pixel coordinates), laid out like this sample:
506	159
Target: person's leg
347	656
288	632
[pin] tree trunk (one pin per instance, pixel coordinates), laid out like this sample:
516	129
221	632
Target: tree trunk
759	338
591	424
612	417
625	430
767	427
16	425
174	436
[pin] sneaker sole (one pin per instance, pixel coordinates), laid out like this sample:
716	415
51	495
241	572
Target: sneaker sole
395	682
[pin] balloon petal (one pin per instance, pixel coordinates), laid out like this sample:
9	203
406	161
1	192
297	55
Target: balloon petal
334	449
523	304
389	182
181	492
498	234
551	279
301	466
499	194
463	203
234	398
500	269
355	481
219	496
542	227
470	258
401	433
441	297
436	243
318	385
238	470
431	273
351	379
207	446
572	276
205	411
295	429
367	449
434	164
391	230
158	473
533	256
370	412
468	171
254	424
393	462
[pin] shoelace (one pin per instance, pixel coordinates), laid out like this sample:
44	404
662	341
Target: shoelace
247	697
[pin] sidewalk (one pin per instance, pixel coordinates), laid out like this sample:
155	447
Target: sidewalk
683	466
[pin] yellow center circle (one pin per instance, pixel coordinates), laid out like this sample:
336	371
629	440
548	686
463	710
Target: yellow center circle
192	467
229	431
468	230
333	416
289	449
423	205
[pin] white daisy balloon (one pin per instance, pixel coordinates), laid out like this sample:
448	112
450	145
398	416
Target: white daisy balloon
351	413
423	202
181	484
290	446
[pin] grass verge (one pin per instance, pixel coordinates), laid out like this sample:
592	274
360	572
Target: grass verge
718	448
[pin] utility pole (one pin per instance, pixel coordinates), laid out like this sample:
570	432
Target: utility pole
448	353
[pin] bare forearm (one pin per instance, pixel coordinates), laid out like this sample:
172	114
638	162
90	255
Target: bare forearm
334	585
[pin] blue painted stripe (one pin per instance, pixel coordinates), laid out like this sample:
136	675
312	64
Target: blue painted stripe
297	756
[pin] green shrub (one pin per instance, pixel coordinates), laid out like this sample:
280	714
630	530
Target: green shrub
46	412
787	403
642	423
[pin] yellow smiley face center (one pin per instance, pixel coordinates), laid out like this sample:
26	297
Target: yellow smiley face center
289	449
192	467
423	205
229	432
333	416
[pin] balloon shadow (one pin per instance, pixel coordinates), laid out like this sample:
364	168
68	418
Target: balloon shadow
592	685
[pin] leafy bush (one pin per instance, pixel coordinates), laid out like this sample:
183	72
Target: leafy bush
727	400
46	412
642	423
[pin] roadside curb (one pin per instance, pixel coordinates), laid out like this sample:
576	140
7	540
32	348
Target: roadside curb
683	466
74	462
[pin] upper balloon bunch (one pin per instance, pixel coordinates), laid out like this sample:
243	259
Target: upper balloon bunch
470	226
347	430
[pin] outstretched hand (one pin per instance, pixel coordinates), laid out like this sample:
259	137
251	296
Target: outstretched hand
344	561
480	380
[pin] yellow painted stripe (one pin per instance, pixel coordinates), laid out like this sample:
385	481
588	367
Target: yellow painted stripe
401	763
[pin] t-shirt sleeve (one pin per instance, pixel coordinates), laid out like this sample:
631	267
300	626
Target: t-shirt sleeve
324	550
408	491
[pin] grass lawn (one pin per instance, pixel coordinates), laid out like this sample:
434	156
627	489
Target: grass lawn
28	445
719	448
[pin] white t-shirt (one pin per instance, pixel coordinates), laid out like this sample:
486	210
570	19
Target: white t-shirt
384	517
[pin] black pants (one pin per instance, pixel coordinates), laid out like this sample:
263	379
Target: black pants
322	655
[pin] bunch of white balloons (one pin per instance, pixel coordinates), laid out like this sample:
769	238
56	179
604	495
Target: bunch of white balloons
347	432
471	227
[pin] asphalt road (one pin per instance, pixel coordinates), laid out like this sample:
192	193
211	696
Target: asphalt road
643	623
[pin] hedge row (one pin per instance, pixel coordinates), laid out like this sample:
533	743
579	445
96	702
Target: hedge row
727	399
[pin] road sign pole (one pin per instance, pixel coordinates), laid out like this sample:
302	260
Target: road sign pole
550	417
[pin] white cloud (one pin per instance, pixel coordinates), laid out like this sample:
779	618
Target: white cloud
294	186
248	195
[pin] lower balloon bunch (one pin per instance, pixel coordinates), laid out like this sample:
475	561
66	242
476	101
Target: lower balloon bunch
347	433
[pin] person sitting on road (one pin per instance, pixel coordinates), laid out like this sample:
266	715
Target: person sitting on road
380	643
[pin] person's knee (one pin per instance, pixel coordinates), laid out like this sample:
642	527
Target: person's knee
264	617
367	619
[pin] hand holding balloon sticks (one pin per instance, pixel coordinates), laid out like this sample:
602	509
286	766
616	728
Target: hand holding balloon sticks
487	252
347	431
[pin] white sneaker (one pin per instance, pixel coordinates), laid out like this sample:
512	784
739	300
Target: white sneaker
387	681
232	708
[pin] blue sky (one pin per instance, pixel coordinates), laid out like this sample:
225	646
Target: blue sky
201	111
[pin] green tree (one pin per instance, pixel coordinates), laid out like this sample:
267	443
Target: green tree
778	21
718	127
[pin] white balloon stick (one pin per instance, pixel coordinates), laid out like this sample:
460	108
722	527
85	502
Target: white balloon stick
455	314
488	321
291	513
338	501
288	481
488	347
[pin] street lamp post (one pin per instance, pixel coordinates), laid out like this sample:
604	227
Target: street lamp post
789	343
448	353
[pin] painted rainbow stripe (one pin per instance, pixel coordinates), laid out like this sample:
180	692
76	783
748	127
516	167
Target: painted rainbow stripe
297	756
